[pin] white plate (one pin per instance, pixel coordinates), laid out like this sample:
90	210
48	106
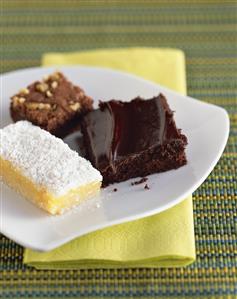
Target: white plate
205	125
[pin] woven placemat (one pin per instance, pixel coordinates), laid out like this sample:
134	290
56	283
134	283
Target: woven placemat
206	31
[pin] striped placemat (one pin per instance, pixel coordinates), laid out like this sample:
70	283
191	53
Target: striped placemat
207	32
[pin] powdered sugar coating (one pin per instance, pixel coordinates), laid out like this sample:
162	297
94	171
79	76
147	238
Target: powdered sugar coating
46	160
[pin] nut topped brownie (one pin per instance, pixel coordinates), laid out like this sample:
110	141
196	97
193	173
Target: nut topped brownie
54	104
130	139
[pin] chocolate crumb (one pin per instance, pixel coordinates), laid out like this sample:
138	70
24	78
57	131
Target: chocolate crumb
142	180
115	190
146	187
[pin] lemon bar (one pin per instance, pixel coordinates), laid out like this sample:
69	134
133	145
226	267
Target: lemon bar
44	169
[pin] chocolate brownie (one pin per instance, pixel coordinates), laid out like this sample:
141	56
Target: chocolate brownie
54	104
130	139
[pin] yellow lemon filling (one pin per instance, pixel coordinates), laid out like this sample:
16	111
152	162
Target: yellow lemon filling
41	197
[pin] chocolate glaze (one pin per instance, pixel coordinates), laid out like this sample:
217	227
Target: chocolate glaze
121	132
99	127
124	129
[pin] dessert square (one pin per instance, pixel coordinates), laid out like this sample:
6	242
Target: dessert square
54	104
131	139
44	169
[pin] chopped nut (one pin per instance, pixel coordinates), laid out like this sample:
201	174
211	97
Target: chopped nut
40	106
15	101
44	106
75	106
15	98
32	106
54	84
42	87
46	78
55	76
81	94
24	91
47	106
21	100
49	93
54	107
71	102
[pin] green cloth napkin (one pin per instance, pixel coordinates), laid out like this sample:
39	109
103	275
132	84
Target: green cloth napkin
163	240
